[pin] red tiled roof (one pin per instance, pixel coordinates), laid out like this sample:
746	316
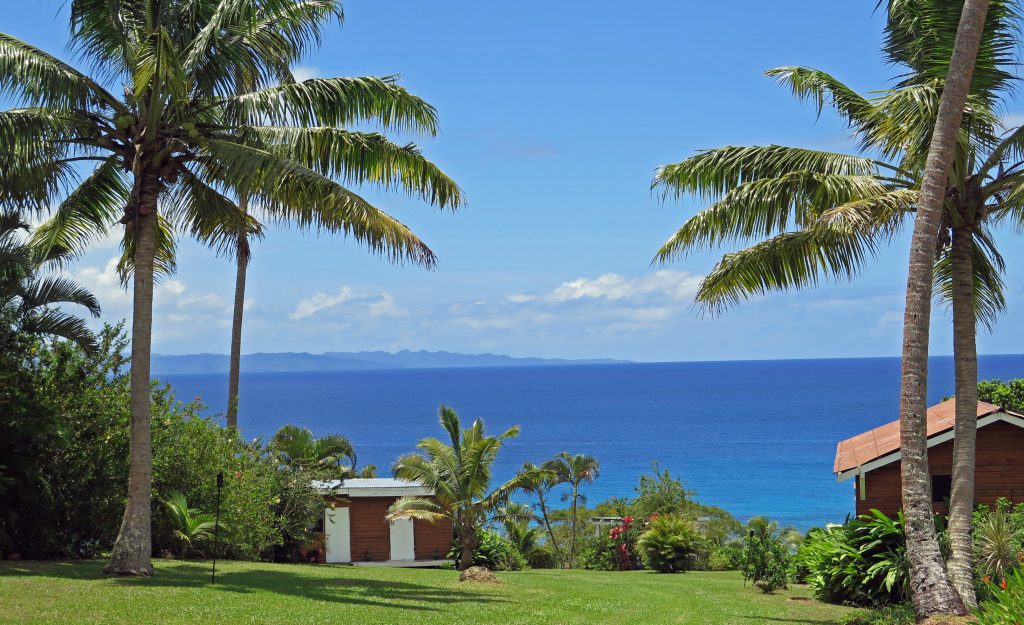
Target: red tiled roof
881	441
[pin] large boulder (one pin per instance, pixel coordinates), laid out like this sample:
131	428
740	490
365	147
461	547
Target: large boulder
478	574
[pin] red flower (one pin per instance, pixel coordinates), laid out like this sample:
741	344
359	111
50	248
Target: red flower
238	475
1002	584
987	579
627	520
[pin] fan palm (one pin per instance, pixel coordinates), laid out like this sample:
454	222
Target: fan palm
28	300
191	526
459	475
177	141
812	213
540	482
574	470
298	448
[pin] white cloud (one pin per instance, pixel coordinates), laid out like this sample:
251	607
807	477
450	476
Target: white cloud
673	285
312	305
305	72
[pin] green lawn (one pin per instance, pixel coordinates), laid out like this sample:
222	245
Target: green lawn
55	592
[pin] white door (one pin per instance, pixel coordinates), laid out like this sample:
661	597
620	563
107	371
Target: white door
402	545
337	534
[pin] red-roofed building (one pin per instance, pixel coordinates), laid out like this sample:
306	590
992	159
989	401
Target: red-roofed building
873	458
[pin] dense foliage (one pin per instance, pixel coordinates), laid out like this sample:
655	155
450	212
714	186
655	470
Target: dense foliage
66	447
670	544
1008	395
862	562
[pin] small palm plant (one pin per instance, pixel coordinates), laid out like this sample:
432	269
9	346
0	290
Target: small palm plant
516	519
459	474
298	448
191	526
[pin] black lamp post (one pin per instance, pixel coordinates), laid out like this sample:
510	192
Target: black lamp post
216	527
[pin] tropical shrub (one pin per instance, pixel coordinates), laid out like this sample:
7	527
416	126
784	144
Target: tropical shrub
728	557
543	557
493	551
1005	602
670	544
996	544
862	562
765	562
597	553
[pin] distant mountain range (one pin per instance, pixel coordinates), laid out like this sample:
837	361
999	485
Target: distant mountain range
350	361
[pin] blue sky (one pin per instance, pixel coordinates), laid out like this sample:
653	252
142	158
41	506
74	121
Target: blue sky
554	116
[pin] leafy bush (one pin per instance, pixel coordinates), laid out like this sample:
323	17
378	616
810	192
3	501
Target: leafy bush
494	552
1005	605
597	553
995	543
900	614
670	544
765	562
728	557
543	557
862	562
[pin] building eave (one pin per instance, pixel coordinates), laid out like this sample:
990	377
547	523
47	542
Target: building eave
938	439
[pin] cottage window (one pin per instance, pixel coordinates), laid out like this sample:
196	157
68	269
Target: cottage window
942	486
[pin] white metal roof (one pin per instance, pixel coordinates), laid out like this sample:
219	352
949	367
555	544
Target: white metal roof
372	487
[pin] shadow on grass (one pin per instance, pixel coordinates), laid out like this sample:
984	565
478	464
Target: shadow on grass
780	619
336	588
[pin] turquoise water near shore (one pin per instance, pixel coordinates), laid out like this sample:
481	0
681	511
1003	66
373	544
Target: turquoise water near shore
754	437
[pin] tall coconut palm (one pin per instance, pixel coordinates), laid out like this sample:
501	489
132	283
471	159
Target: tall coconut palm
356	158
29	300
540	482
298	448
932	593
574	470
174	143
818	213
458	472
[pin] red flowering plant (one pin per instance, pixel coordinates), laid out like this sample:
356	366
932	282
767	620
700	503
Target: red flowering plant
623	541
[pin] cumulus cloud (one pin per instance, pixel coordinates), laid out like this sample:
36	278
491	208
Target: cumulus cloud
348	303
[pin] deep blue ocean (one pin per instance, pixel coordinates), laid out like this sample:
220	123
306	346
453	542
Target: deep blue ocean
754	437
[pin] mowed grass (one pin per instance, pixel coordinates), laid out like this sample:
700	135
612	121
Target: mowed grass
36	593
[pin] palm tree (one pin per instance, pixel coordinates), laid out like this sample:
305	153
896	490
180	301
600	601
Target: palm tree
459	475
540	482
28	300
931	590
843	207
299	449
358	157
573	470
175	143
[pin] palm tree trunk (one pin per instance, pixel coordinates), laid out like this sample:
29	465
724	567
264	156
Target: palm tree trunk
547	525
965	358
572	543
132	550
242	266
930	586
467	545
